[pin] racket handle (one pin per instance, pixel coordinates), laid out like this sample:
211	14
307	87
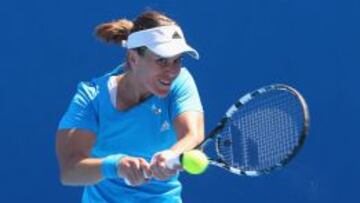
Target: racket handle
172	162
127	182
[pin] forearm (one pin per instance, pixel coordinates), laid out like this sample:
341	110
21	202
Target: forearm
85	171
187	142
190	131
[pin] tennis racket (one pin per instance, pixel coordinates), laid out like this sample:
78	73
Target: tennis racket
260	132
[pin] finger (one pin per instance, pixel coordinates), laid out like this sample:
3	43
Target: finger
157	157
177	167
137	172
162	168
163	172
168	172
128	172
129	178
125	172
158	166
156	172
123	167
145	167
174	168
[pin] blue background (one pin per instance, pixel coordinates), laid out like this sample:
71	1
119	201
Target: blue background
47	47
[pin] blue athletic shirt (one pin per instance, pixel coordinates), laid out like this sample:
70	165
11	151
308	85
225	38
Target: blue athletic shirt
140	131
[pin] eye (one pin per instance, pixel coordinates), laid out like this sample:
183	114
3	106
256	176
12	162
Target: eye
162	62
178	60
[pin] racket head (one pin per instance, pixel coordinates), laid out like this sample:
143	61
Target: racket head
262	131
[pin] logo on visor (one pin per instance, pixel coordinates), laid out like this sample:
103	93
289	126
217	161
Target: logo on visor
176	35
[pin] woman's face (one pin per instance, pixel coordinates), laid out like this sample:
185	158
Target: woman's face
155	74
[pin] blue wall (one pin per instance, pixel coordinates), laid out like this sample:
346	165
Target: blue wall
47	47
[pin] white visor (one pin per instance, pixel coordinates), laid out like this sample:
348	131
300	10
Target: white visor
165	41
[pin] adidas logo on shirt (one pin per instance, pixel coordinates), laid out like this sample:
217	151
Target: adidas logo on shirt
165	126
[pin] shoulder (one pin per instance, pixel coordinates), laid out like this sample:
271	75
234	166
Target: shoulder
93	87
183	85
183	77
184	73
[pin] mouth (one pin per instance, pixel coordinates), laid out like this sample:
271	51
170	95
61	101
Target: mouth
165	83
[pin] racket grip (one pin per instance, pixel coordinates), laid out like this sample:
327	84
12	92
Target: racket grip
172	162
172	159
127	182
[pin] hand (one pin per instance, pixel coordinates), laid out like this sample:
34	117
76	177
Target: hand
135	170
158	165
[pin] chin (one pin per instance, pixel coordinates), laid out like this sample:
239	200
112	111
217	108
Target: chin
162	93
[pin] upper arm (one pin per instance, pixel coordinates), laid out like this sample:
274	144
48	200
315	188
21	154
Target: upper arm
186	108
190	123
78	127
184	95
82	112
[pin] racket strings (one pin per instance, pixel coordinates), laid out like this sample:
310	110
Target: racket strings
263	132
224	147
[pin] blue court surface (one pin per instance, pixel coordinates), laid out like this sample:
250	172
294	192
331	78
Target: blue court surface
47	47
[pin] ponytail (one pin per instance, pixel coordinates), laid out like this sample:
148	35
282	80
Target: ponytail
115	32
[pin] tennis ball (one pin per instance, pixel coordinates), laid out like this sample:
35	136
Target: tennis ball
194	162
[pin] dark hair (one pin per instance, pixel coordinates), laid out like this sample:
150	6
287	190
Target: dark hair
119	30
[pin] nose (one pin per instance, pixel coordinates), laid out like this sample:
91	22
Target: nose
175	70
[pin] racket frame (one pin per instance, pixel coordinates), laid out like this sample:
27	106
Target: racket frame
215	132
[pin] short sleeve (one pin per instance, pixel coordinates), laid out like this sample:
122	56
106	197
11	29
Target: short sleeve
184	95
81	112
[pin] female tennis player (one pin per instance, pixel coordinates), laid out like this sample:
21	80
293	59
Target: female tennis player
120	128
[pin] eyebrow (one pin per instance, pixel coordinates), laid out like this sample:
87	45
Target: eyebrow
159	57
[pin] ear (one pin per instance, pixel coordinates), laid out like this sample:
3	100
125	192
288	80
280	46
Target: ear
133	58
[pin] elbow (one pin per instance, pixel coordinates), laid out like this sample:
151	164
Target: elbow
73	177
65	174
65	178
68	177
65	182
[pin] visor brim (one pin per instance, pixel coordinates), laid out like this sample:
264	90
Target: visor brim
173	48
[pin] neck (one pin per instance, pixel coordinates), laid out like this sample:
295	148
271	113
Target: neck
132	92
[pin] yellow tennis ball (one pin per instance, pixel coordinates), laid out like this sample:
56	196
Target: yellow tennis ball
194	162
